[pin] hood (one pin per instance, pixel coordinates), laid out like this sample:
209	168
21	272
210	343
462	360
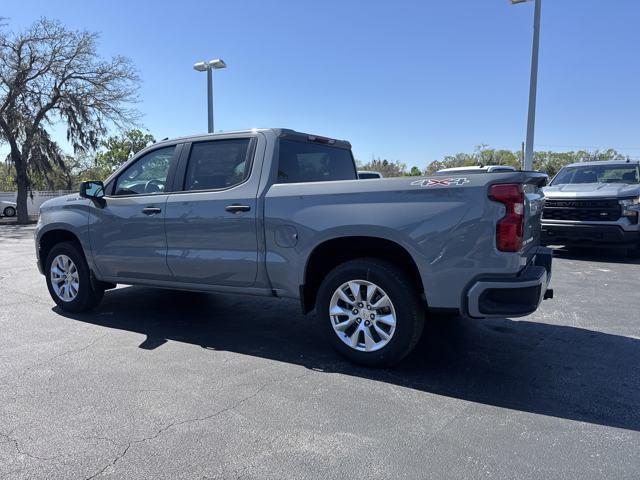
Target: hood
70	199
592	190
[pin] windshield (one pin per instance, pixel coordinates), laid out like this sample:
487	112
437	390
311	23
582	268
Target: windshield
622	173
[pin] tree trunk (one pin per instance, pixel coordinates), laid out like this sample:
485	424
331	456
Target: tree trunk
22	181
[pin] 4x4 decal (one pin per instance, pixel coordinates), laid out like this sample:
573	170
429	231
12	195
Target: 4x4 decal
440	182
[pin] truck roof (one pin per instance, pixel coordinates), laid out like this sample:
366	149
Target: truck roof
604	162
279	132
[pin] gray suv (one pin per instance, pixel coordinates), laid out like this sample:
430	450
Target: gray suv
281	213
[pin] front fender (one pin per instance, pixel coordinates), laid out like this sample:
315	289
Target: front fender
71	217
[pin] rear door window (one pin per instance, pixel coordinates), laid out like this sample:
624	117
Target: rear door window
218	164
314	162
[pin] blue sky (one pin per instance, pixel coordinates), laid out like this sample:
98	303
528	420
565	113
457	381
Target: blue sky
405	80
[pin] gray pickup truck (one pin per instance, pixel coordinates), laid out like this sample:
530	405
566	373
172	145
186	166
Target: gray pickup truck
280	213
594	203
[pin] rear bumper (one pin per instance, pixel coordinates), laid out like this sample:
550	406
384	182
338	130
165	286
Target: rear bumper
573	234
516	296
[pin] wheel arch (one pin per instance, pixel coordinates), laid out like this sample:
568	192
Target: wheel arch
49	239
332	252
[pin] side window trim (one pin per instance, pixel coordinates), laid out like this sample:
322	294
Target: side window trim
181	168
170	173
183	165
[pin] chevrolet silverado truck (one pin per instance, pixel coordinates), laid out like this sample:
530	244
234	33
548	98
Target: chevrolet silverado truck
594	203
279	213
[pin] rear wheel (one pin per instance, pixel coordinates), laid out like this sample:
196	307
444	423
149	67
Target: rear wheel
9	212
371	312
69	279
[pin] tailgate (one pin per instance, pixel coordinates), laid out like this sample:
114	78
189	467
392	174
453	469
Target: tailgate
534	203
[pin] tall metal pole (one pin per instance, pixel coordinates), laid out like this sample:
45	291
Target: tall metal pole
210	97
533	88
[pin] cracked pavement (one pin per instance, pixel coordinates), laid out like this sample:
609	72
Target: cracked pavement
158	384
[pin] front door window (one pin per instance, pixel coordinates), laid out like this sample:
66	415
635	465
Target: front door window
148	175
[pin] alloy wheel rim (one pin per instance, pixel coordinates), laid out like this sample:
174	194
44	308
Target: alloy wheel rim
65	279
362	315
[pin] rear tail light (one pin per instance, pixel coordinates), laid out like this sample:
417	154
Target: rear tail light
510	228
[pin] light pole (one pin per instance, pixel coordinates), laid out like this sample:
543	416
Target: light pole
208	67
533	85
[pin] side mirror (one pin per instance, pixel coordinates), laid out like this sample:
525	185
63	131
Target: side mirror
93	190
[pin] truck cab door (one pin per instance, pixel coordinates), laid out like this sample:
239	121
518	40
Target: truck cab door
211	218
127	231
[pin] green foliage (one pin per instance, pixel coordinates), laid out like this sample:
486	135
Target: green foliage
74	169
552	162
415	171
118	149
7	177
547	162
481	156
385	167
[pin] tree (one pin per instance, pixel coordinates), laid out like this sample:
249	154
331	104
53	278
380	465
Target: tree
385	167
118	149
415	171
548	162
51	75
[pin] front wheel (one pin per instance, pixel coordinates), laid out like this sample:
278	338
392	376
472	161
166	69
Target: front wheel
69	279
9	212
371	312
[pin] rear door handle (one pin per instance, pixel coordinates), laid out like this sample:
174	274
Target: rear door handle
236	208
151	210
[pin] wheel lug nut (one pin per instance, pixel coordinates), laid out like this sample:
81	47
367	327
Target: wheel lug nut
372	316
367	323
355	311
360	305
358	320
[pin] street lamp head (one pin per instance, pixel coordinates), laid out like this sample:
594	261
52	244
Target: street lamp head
200	66
515	2
215	64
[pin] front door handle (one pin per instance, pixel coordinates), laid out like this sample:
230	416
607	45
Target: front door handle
236	208
151	210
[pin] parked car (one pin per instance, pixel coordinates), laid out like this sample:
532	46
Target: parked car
367	175
594	203
478	169
7	208
280	213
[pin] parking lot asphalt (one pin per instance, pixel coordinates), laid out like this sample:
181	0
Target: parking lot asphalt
160	384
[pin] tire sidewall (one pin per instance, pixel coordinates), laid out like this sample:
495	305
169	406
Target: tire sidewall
403	295
9	212
85	291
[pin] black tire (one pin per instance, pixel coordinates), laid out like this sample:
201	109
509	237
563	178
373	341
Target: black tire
403	293
9	212
89	293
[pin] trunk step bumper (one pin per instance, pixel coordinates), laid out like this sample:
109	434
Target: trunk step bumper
516	296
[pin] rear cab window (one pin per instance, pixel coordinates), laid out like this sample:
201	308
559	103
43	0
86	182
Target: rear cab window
300	161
